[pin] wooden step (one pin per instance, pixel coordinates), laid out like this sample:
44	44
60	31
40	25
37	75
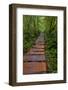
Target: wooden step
36	50
39	46
35	61
34	58
34	67
40	43
36	53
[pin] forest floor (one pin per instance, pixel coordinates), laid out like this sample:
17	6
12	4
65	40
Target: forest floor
35	60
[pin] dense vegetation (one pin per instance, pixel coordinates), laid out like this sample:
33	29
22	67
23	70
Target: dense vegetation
31	31
51	41
33	25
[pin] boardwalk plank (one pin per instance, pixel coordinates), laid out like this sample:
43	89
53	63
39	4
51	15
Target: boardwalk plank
35	60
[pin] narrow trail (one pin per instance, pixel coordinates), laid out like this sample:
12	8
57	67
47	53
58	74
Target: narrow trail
35	60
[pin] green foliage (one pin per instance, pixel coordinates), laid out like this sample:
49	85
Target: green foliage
30	31
32	26
51	40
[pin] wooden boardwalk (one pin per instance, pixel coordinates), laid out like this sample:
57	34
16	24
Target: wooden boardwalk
35	60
